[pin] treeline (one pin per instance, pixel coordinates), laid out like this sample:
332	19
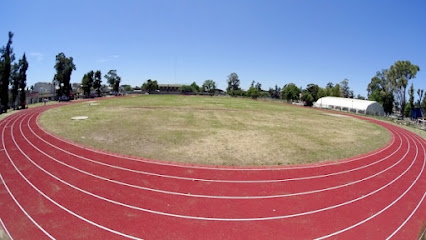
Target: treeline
290	92
208	87
91	83
389	87
13	74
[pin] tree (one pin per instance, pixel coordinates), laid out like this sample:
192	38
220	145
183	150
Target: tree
186	89
336	91
313	90
64	67
420	94
275	93
127	88
290	92
346	92
98	82
150	85
6	59
233	82
258	86
307	98
87	82
14	81
380	90
399	74
253	92
360	97
209	86
22	82
113	80
195	88
410	105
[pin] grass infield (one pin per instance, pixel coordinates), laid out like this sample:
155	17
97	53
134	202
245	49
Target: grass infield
215	130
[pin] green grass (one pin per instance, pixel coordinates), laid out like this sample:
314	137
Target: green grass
215	130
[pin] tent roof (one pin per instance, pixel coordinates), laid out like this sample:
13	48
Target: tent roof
346	102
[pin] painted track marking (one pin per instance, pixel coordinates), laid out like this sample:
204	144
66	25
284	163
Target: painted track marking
209	218
213	196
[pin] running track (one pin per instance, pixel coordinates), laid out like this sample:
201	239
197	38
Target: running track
54	189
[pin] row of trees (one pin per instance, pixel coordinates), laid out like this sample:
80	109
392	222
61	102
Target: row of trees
290	91
389	87
93	81
14	74
209	86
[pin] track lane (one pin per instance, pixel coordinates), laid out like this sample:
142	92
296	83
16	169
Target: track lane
212	173
268	228
71	194
173	200
195	186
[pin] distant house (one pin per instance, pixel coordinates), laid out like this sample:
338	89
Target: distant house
41	90
169	88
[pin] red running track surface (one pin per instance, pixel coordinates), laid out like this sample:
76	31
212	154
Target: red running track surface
55	189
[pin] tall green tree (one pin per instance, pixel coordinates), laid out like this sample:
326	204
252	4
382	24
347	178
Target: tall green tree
380	90
113	80
290	92
399	74
64	67
22	80
410	105
310	94
233	82
275	93
150	85
195	88
346	91
14	82
6	59
97	84
420	95
209	86
87	82
336	91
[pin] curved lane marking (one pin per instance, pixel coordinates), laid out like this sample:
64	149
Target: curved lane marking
16	201
211	218
408	218
384	209
270	168
217	180
213	196
53	201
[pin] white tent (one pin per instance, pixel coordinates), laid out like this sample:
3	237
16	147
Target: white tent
351	105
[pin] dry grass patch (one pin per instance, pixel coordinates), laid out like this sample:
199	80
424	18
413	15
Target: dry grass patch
217	130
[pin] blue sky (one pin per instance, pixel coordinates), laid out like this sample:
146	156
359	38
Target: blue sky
273	42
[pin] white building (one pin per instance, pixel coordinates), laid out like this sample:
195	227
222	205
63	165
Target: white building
351	105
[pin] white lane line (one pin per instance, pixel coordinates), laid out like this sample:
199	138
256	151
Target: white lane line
272	168
216	180
408	218
53	201
218	219
384	209
5	229
16	201
211	196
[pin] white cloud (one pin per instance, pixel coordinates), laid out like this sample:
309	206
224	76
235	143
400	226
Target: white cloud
38	56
